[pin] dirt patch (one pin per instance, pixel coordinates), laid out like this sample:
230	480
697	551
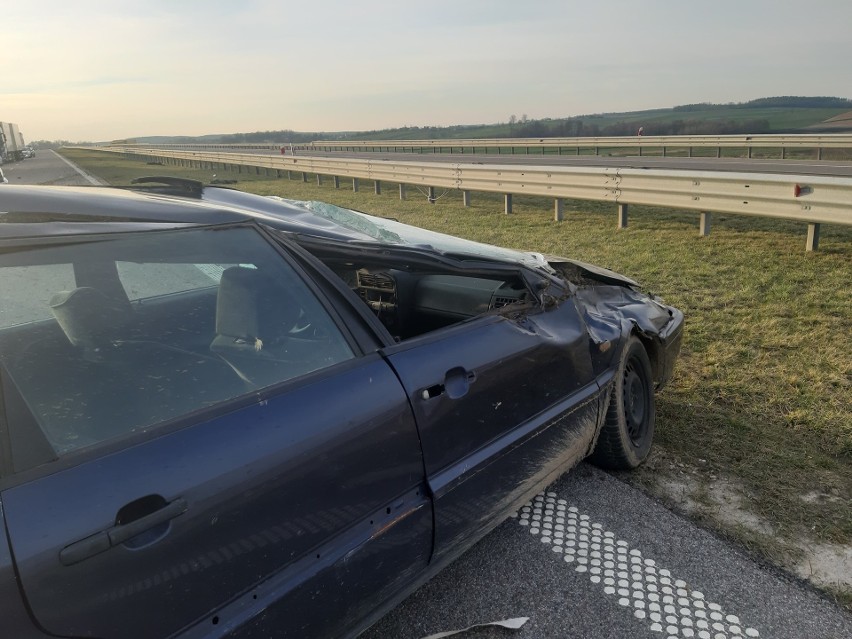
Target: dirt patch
721	503
827	565
721	499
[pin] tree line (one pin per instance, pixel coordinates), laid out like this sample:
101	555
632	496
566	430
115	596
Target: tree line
577	127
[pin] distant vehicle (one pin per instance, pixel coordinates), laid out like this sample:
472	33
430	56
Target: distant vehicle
11	142
28	152
226	415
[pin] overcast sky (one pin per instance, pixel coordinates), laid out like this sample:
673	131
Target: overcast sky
98	70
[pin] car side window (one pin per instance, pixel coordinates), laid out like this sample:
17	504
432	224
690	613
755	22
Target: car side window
155	326
26	291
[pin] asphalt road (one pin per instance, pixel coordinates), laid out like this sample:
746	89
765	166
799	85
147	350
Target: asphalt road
591	558
594	558
46	167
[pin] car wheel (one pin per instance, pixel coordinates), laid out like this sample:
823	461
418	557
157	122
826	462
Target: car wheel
628	431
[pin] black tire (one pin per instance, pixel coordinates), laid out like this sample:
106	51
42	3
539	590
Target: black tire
628	430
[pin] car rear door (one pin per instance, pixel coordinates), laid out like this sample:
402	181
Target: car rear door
215	514
503	402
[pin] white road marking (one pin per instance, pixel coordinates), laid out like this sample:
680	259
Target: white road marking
91	179
668	605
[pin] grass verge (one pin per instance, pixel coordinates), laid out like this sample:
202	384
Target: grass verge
763	389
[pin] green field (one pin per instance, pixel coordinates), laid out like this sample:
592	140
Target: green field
779	119
763	389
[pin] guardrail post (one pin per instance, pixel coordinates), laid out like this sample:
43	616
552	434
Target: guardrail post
377	187
466	198
335	180
622	216
689	152
430	194
783	152
507	203
704	224
664	151
819	153
401	191
319	179
812	243
354	185
304	177
558	215
749	152
718	151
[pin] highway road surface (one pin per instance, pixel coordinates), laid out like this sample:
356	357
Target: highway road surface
594	558
47	167
589	558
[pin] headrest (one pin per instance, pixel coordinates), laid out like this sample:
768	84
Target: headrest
89	318
252	306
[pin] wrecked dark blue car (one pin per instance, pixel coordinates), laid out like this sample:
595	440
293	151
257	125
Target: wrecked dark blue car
230	415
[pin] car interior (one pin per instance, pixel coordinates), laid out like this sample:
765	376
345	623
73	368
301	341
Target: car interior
120	352
411	303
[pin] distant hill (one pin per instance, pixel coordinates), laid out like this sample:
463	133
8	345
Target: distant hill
784	114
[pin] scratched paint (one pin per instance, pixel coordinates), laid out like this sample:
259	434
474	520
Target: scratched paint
654	595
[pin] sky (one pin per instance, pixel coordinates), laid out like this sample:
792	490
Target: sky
86	70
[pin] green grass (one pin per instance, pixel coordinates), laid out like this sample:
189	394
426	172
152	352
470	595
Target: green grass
763	387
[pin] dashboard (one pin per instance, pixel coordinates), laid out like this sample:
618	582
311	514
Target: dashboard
410	304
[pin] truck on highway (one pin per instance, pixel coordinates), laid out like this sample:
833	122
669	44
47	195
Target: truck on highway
11	142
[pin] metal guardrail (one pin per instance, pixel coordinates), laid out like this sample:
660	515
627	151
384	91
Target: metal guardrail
557	145
814	200
639	143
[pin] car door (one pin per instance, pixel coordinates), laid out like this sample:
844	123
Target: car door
503	403
150	491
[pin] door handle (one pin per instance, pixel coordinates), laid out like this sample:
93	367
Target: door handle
121	533
457	382
116	535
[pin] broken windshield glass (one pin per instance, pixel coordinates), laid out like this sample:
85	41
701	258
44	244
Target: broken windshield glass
393	232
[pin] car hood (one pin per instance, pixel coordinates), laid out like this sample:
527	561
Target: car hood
597	273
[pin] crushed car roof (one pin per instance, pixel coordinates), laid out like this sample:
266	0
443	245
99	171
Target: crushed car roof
167	202
27	211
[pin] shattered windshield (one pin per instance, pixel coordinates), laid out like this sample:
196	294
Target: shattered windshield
393	232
